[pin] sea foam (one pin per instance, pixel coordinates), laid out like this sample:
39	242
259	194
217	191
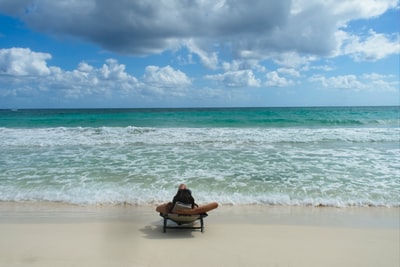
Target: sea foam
335	162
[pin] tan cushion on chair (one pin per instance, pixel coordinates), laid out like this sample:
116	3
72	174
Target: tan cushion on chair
175	216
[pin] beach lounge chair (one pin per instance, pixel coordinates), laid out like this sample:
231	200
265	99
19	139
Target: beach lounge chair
183	221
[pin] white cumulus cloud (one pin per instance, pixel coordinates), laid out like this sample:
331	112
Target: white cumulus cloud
274	80
374	47
371	81
165	77
23	62
24	72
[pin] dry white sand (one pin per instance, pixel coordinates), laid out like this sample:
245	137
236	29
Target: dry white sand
64	235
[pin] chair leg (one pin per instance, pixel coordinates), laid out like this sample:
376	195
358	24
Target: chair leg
202	224
165	225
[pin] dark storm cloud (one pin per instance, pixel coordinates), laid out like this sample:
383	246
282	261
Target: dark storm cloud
141	27
255	29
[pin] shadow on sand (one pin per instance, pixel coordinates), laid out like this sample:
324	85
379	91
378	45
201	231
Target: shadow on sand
155	231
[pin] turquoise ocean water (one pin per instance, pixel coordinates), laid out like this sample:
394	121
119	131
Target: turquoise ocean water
334	156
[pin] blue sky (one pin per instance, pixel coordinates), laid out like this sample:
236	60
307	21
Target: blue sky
210	53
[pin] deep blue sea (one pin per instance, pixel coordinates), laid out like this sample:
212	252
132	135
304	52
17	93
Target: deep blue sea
331	156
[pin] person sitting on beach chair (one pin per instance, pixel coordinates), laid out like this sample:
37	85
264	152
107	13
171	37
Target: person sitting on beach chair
183	196
183	210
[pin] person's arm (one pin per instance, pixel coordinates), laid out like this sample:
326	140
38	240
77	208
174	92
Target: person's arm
194	204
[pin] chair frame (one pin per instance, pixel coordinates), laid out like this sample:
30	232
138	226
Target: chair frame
180	223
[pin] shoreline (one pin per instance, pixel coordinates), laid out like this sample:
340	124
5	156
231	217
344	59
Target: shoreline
59	234
43	212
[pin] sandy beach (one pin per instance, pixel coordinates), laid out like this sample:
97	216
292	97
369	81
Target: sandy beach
48	234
